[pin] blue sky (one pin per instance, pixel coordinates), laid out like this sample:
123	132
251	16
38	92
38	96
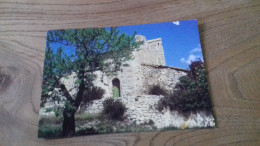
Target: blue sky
180	40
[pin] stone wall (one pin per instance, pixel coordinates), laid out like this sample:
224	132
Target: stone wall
166	77
131	77
142	109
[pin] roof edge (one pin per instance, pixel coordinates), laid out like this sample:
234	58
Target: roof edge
153	40
162	66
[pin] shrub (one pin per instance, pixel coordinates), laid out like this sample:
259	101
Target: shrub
114	109
162	104
157	90
93	93
90	94
191	94
151	122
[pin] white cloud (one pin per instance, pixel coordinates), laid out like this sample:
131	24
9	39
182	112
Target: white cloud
191	58
194	55
182	60
196	50
176	23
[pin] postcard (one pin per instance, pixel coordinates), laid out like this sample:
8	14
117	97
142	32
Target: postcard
138	78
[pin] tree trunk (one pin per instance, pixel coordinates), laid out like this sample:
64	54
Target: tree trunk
68	126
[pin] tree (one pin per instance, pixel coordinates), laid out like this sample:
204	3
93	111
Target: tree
89	50
191	93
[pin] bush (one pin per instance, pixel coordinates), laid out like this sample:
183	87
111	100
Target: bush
162	104
90	94
114	109
157	90
93	93
151	122
191	94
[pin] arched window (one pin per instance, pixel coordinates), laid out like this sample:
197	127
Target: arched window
116	88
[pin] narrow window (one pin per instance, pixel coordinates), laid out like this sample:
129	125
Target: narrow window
116	88
159	61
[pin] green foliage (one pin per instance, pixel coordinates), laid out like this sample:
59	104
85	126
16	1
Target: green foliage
58	113
93	93
114	109
157	90
49	131
191	94
70	109
48	110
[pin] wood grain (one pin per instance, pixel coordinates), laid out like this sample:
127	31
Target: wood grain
230	35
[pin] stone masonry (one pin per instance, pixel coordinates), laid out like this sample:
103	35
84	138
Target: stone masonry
146	69
142	109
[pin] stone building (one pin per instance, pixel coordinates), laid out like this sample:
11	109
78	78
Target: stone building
147	68
131	85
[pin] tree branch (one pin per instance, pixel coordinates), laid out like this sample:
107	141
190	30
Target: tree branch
64	90
79	96
66	93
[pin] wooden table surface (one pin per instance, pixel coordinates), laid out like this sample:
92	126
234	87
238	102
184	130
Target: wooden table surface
230	36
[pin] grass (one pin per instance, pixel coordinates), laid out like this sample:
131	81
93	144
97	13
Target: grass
49	131
50	120
86	131
86	117
58	120
51	127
